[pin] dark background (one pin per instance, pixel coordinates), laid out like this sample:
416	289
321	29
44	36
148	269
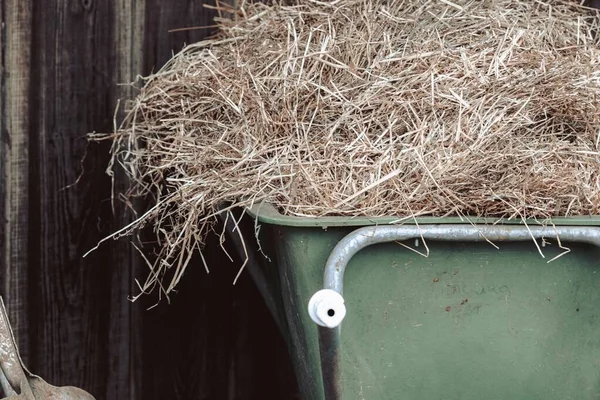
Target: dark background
61	63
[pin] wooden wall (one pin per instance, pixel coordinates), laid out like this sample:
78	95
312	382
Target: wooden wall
61	63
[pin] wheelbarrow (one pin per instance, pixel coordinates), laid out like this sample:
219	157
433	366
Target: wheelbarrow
17	382
432	308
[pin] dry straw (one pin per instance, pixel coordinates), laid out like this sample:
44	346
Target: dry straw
370	108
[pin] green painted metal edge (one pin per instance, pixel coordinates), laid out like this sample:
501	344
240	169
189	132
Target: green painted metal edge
266	213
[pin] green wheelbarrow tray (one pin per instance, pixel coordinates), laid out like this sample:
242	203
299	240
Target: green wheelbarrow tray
470	320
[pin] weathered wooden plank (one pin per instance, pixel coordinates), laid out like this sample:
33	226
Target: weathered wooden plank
83	324
176	24
124	374
67	332
15	55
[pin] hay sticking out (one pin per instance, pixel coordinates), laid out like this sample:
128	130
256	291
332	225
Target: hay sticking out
370	108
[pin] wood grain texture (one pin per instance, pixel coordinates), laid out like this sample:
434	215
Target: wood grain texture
61	65
165	16
81	328
14	164
125	327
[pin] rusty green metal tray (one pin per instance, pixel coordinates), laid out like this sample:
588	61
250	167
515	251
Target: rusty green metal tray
436	311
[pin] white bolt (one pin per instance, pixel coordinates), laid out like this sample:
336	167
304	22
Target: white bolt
326	308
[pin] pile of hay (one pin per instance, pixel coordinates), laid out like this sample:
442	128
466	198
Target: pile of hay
370	108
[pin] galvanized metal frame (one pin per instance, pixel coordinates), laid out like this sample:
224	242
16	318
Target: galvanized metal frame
329	338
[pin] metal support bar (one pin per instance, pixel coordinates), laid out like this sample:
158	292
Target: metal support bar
329	337
329	347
